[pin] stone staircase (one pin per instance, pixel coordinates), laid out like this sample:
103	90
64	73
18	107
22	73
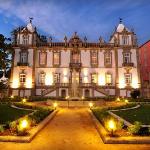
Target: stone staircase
101	90
49	90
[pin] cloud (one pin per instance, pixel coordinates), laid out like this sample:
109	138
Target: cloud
59	18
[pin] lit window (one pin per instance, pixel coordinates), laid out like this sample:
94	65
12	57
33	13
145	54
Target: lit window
25	39
56	78
94	58
22	78
42	58
126	57
94	78
125	40
56	58
108	78
23	57
75	57
128	78
108	58
42	78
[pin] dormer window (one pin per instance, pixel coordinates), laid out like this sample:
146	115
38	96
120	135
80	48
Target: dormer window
125	40
23	57
25	39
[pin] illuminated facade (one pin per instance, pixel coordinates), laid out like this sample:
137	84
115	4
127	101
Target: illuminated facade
74	67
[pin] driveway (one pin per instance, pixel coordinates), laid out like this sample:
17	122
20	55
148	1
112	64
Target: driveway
70	129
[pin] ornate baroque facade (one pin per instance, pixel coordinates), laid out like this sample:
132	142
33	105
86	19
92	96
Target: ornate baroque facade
74	67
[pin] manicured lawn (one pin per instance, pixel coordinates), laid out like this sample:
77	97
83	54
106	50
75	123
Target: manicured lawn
141	114
7	113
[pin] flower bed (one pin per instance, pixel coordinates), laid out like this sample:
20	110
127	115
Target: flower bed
22	125
121	129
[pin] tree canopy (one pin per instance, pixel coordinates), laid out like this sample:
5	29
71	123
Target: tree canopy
6	52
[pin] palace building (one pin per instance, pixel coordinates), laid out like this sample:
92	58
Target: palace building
74	67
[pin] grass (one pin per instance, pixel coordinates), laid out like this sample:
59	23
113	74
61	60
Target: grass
140	114
8	114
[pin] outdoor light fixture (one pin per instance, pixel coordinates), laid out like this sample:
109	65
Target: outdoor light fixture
82	97
24	124
12	96
118	99
91	104
126	101
55	105
67	97
111	126
24	100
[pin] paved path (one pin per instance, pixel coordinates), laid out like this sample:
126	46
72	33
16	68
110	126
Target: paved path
71	129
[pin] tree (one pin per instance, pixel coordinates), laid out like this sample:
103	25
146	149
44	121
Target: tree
6	52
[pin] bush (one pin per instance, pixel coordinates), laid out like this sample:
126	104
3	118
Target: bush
135	94
39	115
134	129
144	131
1	128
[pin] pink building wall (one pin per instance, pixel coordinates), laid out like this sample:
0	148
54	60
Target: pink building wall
144	59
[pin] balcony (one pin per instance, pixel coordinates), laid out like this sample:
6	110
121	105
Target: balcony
75	65
22	64
125	64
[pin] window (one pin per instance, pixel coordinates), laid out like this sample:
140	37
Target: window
42	78
127	78
108	78
125	40
107	58
22	78
75	57
42	58
127	57
94	78
56	78
94	58
24	57
25	39
56	58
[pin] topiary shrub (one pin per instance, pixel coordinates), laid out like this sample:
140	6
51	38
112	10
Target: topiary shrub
134	129
135	94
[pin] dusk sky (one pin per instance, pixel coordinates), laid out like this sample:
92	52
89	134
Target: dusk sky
90	18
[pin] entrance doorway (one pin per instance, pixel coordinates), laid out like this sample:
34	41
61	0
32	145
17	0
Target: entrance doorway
87	93
63	93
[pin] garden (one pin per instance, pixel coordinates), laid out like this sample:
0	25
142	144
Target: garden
138	118
18	118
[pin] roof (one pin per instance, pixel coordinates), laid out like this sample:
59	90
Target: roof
144	43
121	27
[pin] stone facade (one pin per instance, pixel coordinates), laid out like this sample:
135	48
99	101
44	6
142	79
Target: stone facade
74	67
